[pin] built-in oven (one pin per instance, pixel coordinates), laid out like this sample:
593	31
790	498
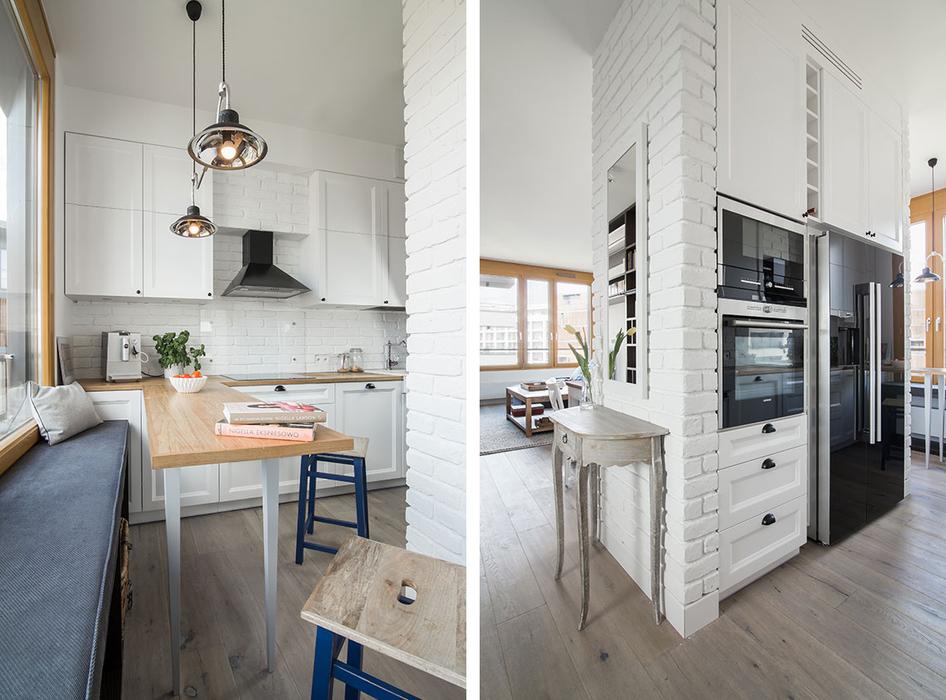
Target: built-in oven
761	362
761	255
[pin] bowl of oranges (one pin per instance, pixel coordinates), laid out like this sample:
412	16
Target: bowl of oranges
188	383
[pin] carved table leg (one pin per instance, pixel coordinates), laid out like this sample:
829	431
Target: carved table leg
583	544
596	503
557	479
657	502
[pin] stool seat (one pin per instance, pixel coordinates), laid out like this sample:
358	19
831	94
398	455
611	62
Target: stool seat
358	599
360	450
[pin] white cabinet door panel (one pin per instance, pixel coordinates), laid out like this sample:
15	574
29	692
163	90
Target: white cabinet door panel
885	182
350	204
103	251
103	172
353	269
167	182
397	215
396	268
373	410
125	405
761	116
844	152
176	267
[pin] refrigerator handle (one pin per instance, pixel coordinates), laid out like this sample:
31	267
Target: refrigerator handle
876	360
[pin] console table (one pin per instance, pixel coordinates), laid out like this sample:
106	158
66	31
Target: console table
596	437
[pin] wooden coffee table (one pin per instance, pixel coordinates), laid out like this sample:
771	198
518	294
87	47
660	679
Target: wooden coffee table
527	423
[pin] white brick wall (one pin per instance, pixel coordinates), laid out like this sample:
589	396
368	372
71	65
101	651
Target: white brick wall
241	335
435	155
656	64
261	198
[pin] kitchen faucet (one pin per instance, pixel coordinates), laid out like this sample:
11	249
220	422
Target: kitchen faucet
393	358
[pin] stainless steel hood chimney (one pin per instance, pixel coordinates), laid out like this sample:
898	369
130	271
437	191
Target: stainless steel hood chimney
259	277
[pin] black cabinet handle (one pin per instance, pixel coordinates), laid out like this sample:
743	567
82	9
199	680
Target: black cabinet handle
279	387
768	428
323	298
137	291
768	519
768	464
757	379
385	301
210	294
369	386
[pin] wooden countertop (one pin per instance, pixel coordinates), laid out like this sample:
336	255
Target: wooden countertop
181	427
308	378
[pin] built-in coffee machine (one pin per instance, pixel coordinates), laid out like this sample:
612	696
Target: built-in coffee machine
122	356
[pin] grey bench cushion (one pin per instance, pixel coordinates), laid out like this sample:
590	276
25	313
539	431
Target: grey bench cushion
60	508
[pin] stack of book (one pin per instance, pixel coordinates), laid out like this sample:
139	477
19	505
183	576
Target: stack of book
278	420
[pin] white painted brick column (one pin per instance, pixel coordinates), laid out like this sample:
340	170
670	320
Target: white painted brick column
435	155
656	64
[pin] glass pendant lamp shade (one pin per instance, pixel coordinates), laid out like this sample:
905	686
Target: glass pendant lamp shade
927	277
897	281
193	224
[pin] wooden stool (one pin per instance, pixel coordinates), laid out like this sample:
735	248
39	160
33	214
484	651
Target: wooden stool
407	606
308	473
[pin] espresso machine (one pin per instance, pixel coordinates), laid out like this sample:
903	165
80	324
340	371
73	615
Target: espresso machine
122	356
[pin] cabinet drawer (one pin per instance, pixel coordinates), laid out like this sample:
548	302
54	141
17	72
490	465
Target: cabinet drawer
311	393
748	548
567	442
753	487
761	440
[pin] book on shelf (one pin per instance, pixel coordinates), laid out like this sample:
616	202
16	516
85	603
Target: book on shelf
267	431
273	412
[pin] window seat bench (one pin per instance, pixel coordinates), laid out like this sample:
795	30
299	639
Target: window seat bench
60	528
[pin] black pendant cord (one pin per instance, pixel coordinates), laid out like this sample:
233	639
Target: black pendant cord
223	41
193	107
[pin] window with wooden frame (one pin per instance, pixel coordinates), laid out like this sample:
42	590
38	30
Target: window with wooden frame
524	310
927	319
26	327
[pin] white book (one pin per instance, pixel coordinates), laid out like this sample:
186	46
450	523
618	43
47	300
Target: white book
263	412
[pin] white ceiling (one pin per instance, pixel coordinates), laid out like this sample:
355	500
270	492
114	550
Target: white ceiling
901	45
327	65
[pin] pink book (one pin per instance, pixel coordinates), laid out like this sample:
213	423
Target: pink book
270	431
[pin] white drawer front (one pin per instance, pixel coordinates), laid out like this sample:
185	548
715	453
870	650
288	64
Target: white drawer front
313	393
761	440
749	547
754	487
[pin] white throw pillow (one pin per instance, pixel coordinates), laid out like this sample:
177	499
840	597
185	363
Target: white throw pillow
62	411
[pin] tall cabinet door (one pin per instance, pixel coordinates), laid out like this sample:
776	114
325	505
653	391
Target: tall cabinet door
761	98
350	204
844	153
885	182
103	251
175	267
353	265
167	182
103	172
396	268
373	410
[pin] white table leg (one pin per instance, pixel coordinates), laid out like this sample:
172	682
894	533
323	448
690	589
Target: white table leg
927	409
172	525
270	469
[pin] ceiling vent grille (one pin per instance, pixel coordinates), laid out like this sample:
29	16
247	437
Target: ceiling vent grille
831	57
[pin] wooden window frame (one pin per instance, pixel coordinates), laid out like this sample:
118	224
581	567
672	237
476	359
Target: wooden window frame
523	273
921	210
34	28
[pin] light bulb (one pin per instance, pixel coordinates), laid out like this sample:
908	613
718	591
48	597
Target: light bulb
193	229
228	151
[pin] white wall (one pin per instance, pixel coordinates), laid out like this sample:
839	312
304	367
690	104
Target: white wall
535	137
435	169
241	335
656	64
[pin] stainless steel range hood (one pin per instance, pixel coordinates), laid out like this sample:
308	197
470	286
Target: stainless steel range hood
259	277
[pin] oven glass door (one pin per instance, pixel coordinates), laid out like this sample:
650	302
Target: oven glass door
763	370
761	261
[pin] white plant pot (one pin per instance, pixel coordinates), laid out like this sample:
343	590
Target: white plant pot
172	370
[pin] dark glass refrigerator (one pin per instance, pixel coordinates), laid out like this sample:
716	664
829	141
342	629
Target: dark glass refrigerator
858	356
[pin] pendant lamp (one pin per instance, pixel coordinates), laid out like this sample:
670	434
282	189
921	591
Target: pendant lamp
928	276
227	144
193	224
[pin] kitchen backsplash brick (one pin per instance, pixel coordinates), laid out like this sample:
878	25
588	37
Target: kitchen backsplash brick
241	335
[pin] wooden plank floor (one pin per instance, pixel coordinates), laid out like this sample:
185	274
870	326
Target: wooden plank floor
865	618
222	617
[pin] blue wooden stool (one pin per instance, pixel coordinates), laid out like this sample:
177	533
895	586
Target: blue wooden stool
308	473
407	606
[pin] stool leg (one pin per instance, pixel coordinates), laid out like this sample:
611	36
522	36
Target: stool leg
300	519
354	660
322	680
313	463
361	496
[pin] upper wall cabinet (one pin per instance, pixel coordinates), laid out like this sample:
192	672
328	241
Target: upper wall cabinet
885	181
357	256
121	198
761	116
844	157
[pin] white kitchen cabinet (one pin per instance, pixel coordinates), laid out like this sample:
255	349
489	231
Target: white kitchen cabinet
175	267
844	155
125	405
200	484
350	204
103	172
395	281
353	269
761	96
373	410
885	182
396	210
166	177
103	251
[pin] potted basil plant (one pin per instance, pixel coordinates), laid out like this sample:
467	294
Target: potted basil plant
173	353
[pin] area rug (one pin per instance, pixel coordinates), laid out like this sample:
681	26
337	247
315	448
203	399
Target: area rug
499	435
